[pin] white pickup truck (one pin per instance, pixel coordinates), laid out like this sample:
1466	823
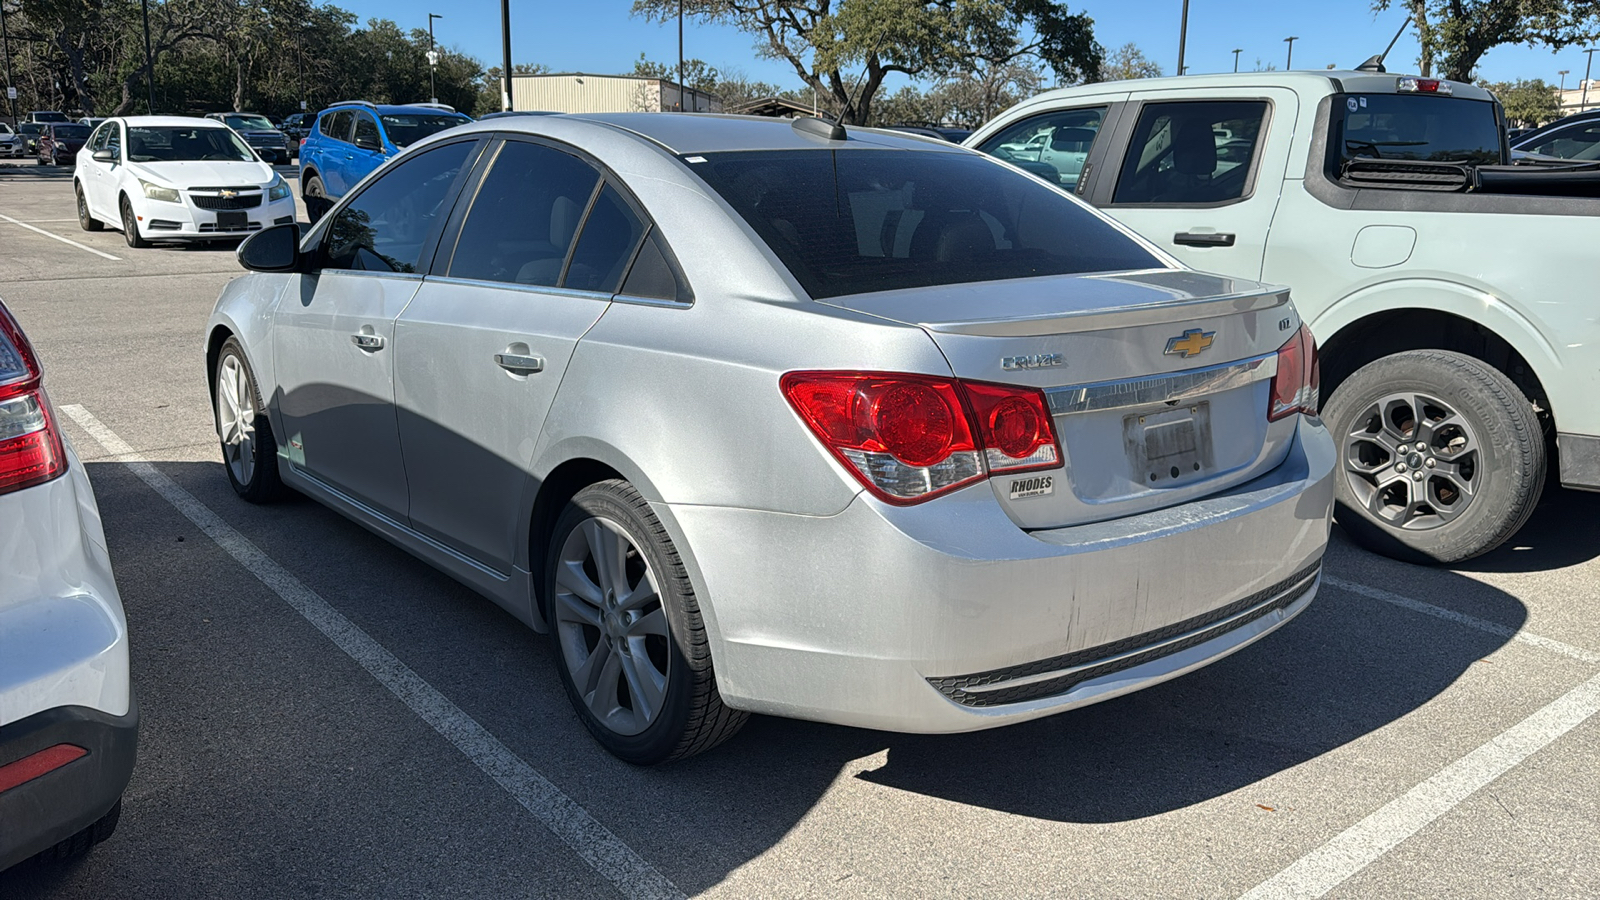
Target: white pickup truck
1455	298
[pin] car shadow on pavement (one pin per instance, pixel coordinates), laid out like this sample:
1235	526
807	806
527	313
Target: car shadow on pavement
35	173
1562	533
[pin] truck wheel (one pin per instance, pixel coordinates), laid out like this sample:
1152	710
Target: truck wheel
1441	455
630	643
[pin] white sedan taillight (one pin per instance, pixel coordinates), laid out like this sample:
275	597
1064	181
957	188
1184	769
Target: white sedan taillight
30	446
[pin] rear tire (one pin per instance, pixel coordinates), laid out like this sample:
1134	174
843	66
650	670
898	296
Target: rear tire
249	451
625	622
316	199
130	226
86	220
1441	457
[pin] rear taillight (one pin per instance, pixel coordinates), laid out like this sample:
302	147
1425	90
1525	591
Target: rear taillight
1295	388
908	438
30	446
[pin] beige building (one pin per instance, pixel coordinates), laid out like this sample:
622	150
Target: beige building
576	92
1572	99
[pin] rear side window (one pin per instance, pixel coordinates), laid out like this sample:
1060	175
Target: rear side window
1053	146
611	234
386	227
852	221
1191	153
337	125
524	217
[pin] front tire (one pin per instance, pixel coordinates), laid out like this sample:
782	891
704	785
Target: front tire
1441	456
629	639
86	219
249	451
130	226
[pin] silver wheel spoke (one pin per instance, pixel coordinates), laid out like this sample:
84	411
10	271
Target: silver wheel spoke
643	594
602	699
570	575
643	686
586	675
573	609
609	549
654	622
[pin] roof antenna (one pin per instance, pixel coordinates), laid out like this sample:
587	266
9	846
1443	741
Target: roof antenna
1375	63
834	131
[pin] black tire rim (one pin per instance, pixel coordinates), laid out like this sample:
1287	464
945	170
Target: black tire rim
1412	461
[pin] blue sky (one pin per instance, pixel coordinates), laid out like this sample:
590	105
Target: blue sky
600	36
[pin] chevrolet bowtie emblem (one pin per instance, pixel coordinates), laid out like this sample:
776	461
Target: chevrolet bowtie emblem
1191	343
229	195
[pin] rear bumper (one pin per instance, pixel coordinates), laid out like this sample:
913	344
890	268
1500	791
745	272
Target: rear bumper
52	807
947	617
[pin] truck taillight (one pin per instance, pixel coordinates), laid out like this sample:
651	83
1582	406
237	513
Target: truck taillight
1296	386
909	438
1410	85
30	445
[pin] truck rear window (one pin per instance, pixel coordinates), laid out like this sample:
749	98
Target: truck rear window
1416	128
855	221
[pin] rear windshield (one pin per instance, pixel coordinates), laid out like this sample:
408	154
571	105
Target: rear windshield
249	122
1416	127
70	132
406	129
178	144
854	221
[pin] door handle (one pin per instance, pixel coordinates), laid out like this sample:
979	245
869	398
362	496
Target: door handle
519	365
1203	239
367	341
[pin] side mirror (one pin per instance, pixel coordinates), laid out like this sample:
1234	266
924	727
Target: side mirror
105	156
275	249
367	143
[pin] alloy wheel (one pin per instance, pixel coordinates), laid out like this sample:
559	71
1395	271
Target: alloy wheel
612	626
236	418
1413	461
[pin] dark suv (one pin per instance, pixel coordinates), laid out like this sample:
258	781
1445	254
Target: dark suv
351	139
60	142
258	131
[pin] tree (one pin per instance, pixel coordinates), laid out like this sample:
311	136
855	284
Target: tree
825	40
696	74
1128	62
489	87
1527	103
1457	33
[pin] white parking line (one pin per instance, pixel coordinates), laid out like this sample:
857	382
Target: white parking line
602	850
61	239
1505	631
1326	867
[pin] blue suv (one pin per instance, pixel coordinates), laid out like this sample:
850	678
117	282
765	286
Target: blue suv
351	139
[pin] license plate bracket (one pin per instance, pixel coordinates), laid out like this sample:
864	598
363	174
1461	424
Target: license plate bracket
1170	447
232	220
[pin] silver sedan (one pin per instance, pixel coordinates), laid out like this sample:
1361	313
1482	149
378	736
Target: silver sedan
759	417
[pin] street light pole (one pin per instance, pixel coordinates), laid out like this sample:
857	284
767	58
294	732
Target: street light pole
11	103
149	62
1183	34
680	57
1236	52
1289	63
1584	103
505	40
433	58
1561	92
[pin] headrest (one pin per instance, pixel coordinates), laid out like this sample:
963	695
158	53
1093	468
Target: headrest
1194	148
1067	138
564	215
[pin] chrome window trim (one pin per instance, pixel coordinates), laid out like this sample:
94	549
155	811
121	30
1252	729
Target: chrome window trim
1156	389
523	288
368	273
652	301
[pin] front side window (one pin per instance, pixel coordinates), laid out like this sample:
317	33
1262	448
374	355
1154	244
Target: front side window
852	221
1191	153
367	133
1580	142
387	225
1416	127
1053	146
114	139
525	216
185	144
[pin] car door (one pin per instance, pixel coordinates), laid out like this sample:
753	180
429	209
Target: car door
366	151
333	330
337	153
100	187
1184	173
540	250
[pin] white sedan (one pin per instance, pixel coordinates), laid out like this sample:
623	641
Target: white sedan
173	178
68	721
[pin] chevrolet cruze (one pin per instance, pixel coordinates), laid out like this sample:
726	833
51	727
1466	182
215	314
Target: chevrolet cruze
850	426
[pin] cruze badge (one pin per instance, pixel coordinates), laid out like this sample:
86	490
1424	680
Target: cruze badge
1036	361
1191	343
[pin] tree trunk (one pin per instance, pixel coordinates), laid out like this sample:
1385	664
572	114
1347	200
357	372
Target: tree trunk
1425	37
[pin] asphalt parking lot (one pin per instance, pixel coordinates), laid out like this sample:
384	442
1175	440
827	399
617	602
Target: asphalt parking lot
325	716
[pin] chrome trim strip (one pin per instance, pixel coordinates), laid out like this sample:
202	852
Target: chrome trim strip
523	288
1154	389
651	301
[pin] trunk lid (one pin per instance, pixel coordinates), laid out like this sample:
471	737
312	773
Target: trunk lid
1158	381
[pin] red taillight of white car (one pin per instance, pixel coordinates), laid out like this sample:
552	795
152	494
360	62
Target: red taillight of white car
1295	388
30	446
909	438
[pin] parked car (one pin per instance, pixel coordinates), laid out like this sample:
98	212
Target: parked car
29	131
865	429
172	178
58	142
92	121
68	719
1457	324
1576	137
41	116
349	140
260	134
295	128
12	145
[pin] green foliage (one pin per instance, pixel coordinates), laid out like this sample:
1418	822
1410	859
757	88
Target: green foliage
1129	62
1455	34
828	42
1527	103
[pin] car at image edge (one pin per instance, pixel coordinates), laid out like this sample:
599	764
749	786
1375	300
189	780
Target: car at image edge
173	178
866	428
68	720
